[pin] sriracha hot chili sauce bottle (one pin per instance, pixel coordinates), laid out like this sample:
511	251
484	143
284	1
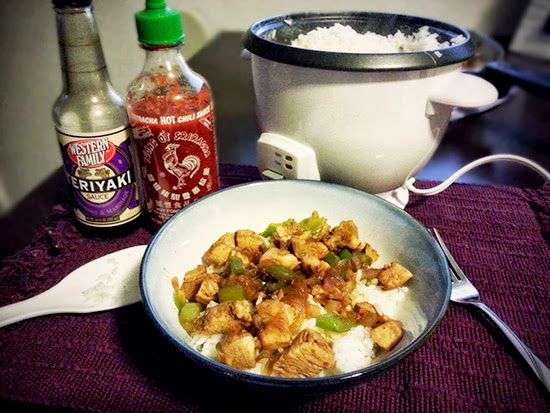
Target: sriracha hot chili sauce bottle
92	129
171	112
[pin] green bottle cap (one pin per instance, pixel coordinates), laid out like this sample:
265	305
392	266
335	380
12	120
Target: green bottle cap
159	25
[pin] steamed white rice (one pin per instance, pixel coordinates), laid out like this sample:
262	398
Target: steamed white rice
340	38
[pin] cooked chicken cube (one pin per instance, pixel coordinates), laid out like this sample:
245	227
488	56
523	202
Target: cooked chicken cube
296	294
193	280
371	253
313	310
218	253
388	334
208	289
393	276
309	354
284	232
243	311
250	244
224	317
344	235
311	253
275	256
367	314
370	273
273	320
332	289
238	350
303	248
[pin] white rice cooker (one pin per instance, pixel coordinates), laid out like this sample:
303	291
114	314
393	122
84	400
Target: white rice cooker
369	121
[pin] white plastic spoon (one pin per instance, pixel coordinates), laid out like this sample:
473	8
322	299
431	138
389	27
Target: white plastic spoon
105	283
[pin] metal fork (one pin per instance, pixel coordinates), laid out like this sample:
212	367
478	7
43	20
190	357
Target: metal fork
464	292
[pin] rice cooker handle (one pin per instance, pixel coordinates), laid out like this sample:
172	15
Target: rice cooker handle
464	90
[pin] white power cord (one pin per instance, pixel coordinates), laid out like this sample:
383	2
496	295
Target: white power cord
487	159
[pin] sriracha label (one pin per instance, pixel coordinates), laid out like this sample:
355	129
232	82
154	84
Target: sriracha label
177	154
99	168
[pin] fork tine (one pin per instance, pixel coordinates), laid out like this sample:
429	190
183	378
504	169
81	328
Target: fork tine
456	270
454	278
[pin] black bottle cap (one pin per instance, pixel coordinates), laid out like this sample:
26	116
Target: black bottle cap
59	4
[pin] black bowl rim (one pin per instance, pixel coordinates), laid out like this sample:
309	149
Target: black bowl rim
357	62
290	383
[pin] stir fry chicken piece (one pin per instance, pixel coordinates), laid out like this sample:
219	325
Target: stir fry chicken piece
243	311
273	319
284	232
250	244
208	289
309	354
344	235
370	273
388	334
276	256
367	314
218	253
225	317
393	276
311	253
371	253
296	295
193	280
237	349
331	289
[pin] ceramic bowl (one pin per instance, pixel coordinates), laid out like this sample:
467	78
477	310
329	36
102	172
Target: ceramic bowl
180	243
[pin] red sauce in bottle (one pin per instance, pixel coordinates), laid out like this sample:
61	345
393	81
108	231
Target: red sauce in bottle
175	138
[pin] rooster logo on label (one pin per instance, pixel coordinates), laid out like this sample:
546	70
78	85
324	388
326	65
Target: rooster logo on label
187	168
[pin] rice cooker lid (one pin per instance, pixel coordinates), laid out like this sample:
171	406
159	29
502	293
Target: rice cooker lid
271	39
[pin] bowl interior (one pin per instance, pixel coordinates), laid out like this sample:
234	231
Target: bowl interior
180	244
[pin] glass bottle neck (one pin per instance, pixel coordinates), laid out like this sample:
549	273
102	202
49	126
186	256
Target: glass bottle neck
164	58
82	62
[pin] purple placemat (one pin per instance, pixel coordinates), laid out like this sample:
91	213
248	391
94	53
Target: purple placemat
116	360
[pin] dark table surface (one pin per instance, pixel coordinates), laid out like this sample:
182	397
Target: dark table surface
117	361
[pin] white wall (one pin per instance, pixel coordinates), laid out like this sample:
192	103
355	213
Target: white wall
30	77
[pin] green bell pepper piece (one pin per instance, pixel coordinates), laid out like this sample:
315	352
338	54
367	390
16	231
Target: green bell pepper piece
312	224
281	273
275	286
231	293
332	259
179	298
345	254
269	231
237	266
333	322
189	312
